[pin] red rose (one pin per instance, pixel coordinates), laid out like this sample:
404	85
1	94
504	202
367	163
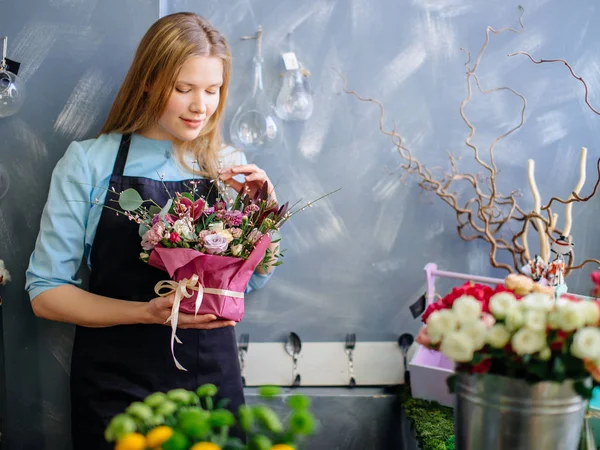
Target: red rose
174	237
483	367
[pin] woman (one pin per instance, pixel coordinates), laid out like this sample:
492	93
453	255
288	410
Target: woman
164	123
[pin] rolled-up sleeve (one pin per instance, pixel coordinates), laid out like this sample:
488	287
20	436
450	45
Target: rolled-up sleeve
60	244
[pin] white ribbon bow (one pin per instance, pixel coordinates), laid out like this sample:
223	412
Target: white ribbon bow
185	289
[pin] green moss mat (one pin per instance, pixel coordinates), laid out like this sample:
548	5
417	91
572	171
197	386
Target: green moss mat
432	422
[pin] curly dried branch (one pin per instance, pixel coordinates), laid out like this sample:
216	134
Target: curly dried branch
542	61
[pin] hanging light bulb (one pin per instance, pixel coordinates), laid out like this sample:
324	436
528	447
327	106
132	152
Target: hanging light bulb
295	99
254	126
12	91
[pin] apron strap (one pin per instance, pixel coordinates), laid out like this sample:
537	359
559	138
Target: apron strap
119	166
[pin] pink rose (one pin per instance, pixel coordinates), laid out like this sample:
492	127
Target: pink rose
174	237
215	244
488	320
236	232
153	236
204	233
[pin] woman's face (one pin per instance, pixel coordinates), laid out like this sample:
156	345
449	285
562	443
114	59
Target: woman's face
193	101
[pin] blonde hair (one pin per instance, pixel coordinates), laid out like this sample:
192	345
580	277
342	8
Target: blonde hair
165	47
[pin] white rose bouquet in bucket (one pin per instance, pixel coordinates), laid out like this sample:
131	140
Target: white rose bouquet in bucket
516	330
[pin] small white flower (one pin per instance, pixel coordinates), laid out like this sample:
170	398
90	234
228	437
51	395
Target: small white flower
570	316
535	319
236	250
184	229
440	323
477	332
514	319
586	343
217	227
4	274
554	320
498	336
227	235
467	309
537	302
501	303
527	341
458	346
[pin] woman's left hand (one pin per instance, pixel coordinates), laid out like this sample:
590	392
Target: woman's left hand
255	179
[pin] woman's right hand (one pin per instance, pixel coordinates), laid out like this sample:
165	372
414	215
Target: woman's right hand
159	310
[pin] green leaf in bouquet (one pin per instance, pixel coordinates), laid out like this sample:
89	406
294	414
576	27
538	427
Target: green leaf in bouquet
165	210
143	229
130	200
268	418
166	408
269	391
221	418
583	389
119	426
540	369
298	401
155	400
246	417
559	370
260	441
140	411
178	441
302	422
188	195
153	210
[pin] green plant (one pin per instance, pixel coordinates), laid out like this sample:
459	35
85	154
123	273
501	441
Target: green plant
184	420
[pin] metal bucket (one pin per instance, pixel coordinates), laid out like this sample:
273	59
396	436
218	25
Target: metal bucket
499	413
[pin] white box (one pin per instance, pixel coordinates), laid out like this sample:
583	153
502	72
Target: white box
428	372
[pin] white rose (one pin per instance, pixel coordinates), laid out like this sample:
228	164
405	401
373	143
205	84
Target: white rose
217	227
535	319
457	346
477	332
183	229
570	316
514	319
545	354
440	323
501	303
236	250
527	341
467	309
537	302
591	312
498	336
586	343
554	320
227	235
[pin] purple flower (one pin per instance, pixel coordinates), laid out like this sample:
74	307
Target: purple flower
155	219
215	244
209	211
233	218
251	208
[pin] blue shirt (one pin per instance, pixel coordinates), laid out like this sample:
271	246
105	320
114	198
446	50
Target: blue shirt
76	197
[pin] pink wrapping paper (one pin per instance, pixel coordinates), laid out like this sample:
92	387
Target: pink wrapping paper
214	271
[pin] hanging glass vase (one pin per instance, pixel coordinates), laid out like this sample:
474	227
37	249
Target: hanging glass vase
295	99
12	91
254	126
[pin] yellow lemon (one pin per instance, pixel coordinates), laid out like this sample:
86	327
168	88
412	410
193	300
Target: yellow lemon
131	441
158	436
282	447
205	446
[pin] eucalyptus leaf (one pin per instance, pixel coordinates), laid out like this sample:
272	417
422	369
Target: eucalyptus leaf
154	210
143	229
166	209
130	200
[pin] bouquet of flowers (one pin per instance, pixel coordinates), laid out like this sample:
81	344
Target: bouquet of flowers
518	330
188	420
209	251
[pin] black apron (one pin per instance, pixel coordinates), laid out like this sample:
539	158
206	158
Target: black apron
114	366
